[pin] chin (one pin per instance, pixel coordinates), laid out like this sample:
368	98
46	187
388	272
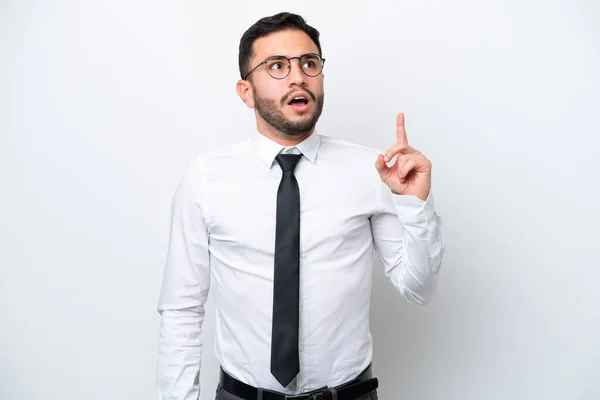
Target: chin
302	114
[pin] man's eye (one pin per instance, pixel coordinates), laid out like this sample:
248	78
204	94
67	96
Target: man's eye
276	65
309	64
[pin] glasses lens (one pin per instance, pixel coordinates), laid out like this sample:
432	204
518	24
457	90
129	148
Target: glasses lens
278	67
311	64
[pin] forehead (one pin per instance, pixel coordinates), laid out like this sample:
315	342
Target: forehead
288	43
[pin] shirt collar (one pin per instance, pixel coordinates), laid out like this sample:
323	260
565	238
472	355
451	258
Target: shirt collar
268	149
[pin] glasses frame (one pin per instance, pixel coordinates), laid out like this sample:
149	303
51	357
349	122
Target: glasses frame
290	65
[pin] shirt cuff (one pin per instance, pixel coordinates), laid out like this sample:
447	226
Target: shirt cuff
413	211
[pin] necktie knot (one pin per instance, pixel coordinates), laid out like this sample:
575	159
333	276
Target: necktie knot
288	162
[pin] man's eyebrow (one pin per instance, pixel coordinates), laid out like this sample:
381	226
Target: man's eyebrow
282	56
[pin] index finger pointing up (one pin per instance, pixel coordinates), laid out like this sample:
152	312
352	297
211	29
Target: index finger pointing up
400	130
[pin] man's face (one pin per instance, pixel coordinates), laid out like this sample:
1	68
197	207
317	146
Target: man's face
273	98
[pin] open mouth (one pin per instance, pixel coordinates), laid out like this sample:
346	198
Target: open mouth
299	101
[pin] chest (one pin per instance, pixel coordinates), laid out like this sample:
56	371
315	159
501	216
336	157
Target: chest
334	210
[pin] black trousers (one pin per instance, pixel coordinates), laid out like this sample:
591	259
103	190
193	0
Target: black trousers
222	394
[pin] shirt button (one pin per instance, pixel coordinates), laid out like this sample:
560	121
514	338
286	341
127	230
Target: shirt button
301	348
300	305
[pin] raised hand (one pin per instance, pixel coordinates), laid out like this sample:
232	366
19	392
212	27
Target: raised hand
411	172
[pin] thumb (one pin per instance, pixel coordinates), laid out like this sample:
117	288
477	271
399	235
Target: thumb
381	166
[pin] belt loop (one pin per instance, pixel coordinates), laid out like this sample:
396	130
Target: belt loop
333	393
260	394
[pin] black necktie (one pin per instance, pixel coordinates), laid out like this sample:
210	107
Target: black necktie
285	361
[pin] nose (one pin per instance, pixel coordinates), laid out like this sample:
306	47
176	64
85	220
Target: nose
296	76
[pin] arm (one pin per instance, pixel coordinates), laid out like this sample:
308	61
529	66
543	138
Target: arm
183	294
406	233
408	239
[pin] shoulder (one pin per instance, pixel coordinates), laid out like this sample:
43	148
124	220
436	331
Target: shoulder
233	150
219	158
353	160
346	145
205	166
346	149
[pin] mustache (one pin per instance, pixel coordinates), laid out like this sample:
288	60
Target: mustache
285	98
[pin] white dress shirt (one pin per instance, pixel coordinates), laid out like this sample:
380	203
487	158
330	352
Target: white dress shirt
223	236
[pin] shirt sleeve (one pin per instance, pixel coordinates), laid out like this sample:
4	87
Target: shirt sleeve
408	239
184	291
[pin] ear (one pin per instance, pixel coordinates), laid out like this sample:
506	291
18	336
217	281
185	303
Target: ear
244	90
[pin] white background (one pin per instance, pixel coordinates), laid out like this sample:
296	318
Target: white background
103	105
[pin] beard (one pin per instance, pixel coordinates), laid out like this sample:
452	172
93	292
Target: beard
273	114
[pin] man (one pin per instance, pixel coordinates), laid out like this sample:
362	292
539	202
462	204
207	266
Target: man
282	226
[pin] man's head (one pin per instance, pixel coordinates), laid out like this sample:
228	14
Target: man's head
279	61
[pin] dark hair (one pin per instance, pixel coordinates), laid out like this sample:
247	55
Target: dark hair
267	25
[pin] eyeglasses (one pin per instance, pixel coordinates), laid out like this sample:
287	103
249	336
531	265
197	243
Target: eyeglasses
280	66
